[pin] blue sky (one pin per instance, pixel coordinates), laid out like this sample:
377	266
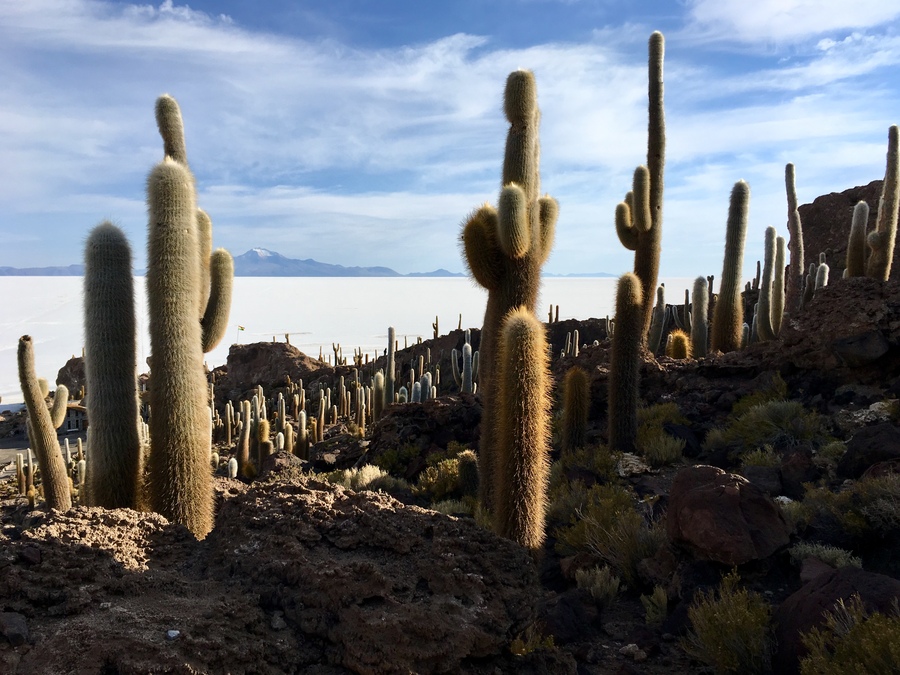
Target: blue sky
363	133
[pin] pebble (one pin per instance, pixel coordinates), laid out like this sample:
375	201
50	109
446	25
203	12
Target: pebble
634	652
14	628
172	634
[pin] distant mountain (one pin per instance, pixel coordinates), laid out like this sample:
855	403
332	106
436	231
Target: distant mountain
67	271
260	262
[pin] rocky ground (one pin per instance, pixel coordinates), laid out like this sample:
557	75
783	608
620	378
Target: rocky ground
304	575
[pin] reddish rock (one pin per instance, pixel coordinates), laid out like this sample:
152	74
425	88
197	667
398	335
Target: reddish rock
826	224
869	445
266	363
803	611
722	517
72	376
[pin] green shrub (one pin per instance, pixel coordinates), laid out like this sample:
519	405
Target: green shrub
830	555
367	477
662	449
601	583
868	505
396	460
764	456
623	541
579	509
775	390
658	414
440	481
773	423
730	629
853	641
656	606
455	507
596	460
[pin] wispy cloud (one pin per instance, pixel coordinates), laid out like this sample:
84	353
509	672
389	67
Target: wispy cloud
374	155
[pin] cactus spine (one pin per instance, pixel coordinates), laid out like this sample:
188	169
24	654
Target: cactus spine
639	217
794	296
625	362
43	432
881	241
856	245
110	362
728	316
576	406
523	430
180	481
506	247
764	323
699	318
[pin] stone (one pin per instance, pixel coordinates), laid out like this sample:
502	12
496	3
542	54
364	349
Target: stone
862	349
803	610
868	446
722	517
14	628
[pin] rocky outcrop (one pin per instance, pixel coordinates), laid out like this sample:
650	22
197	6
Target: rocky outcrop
869	446
72	376
296	576
267	363
722	517
826	224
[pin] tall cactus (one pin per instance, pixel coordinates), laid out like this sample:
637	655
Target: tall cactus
625	363
390	371
881	241
639	217
575	409
728	315
506	247
523	430
110	363
216	268
180	480
43	432
794	293
764	322
856	245
778	298
700	318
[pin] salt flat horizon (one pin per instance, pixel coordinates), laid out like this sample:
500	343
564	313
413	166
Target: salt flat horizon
354	312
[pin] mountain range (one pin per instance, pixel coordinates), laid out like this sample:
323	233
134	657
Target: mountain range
261	262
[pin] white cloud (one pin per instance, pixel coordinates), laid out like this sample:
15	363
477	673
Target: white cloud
785	21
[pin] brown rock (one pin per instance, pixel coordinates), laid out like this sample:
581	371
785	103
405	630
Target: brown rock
803	610
868	446
268	364
722	517
72	376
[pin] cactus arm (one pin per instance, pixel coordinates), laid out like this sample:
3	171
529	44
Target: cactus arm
513	227
794	293
171	128
481	248
44	441
204	236
549	214
59	407
624	227
215	318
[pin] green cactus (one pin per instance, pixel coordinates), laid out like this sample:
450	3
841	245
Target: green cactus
216	268
778	286
110	363
699	318
678	346
794	294
881	241
575	409
856	245
180	481
390	371
625	363
822	275
43	432
764	322
639	217
728	315
243	451
506	247
658	320
522	465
